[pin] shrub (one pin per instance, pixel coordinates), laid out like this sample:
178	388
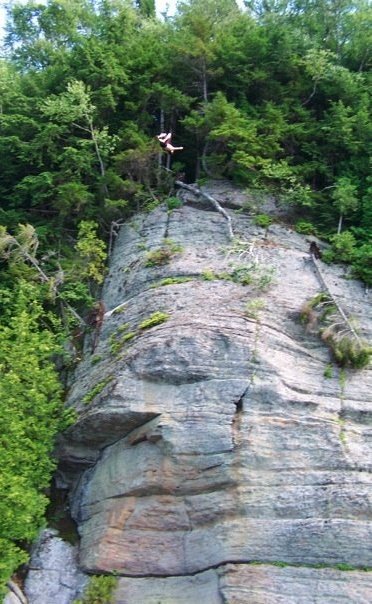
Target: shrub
171	281
100	590
263	220
328	371
158	257
173	203
305	228
156	318
30	417
209	275
253	308
163	254
96	359
343	246
348	351
97	389
328	256
252	274
362	264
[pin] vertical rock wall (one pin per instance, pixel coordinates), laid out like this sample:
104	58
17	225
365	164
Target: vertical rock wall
212	460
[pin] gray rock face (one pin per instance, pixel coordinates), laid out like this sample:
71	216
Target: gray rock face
53	574
213	439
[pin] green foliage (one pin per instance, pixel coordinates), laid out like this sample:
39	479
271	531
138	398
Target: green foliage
158	257
209	275
96	359
173	203
156	318
96	390
344	195
171	281
343	246
146	7
117	341
305	228
253	308
163	254
321	315
362	263
258	276
30	415
328	371
347	351
262	220
85	85
100	590
91	251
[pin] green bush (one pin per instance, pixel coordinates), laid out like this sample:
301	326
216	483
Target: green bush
209	275
253	308
328	256
362	263
155	319
158	257
96	390
171	281
31	414
173	203
163	254
100	590
343	246
348	351
263	220
305	228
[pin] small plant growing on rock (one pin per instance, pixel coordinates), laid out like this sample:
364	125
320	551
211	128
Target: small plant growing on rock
171	281
208	275
328	371
100	590
163	254
96	359
321	314
173	203
117	340
347	351
263	220
158	257
156	318
97	389
253	274
253	308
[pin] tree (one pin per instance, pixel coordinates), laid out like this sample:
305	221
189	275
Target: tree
197	22
146	7
345	198
75	107
30	416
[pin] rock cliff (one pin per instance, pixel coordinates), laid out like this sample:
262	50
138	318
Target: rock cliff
213	460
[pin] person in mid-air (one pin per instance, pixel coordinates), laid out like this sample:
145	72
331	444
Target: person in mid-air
165	142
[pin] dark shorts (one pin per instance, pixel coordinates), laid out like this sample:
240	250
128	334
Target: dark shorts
163	145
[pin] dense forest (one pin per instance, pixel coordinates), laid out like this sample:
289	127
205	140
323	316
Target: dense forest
275	98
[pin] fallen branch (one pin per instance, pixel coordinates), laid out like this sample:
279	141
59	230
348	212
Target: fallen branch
199	193
340	310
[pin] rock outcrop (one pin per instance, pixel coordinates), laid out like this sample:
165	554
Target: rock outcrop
212	460
53	574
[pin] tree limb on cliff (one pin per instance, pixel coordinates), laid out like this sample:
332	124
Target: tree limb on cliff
339	309
199	193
